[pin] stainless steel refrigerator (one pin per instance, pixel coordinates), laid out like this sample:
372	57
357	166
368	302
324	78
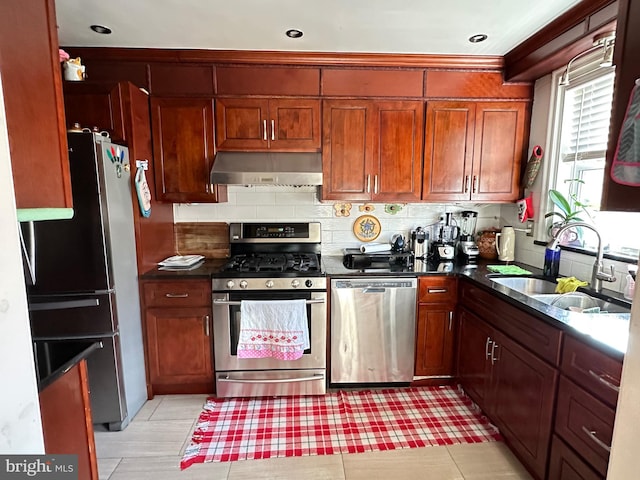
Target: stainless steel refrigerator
86	278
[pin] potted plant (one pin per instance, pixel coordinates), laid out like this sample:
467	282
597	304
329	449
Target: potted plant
568	210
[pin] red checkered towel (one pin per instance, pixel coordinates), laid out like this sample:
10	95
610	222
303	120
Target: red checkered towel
273	328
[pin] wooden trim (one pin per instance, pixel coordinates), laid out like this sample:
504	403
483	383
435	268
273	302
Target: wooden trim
559	41
267	57
91	441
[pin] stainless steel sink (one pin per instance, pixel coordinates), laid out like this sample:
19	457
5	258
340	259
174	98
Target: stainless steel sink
527	285
544	291
578	301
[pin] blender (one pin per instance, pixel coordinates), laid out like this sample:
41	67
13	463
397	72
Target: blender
443	249
467	247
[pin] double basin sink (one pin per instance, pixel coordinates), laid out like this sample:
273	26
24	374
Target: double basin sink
544	290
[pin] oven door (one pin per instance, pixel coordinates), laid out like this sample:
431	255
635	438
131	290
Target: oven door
226	328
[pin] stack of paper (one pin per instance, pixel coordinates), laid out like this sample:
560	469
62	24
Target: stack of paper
181	261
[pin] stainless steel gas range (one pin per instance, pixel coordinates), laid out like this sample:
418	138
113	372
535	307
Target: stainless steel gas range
270	261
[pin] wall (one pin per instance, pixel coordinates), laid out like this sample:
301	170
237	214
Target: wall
301	204
20	426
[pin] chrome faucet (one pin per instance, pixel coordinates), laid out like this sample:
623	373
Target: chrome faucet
598	274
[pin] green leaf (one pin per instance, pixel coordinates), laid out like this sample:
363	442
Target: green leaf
560	201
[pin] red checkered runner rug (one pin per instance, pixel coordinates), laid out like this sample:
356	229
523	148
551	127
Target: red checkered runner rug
342	422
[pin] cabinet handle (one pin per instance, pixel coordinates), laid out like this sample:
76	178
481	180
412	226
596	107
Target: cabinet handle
604	381
437	290
375	184
592	434
206	187
450	321
176	295
273	130
264	130
494	359
486	347
368	183
206	325
475	184
466	183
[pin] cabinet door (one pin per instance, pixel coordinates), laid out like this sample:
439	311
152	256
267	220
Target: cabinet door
434	342
564	464
66	420
521	401
498	151
242	124
448	151
397	169
473	347
183	148
179	350
32	86
347	144
294	125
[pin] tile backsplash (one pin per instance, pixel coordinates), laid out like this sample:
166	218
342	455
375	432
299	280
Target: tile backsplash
301	204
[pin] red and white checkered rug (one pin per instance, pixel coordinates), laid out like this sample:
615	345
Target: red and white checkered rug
341	422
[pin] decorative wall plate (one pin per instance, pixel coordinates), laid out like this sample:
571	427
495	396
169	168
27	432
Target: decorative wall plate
366	228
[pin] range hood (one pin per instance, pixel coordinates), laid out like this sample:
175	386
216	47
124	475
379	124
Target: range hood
267	168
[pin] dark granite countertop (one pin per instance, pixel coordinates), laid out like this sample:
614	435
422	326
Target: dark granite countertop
54	358
607	332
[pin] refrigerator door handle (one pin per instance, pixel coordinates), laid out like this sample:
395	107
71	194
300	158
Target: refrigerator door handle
65	304
30	253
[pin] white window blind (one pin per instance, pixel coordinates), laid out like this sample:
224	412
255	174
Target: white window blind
587	111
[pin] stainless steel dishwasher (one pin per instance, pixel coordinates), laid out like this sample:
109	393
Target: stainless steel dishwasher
372	330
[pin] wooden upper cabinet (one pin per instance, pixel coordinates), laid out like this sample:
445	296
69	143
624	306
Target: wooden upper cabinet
268	124
448	150
96	105
372	150
474	150
168	79
32	86
182	130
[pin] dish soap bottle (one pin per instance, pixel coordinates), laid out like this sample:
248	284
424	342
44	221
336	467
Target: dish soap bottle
630	283
551	267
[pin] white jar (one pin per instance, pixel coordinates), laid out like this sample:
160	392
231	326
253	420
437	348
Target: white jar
506	244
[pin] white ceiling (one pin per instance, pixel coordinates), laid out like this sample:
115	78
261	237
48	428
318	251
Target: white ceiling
386	26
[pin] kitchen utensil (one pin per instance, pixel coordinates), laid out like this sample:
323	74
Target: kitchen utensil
533	167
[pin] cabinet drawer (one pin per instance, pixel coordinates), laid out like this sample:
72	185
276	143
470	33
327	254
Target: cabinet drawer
437	289
177	294
539	337
585	423
564	464
596	372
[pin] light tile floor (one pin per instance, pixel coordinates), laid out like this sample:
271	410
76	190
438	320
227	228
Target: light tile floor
152	445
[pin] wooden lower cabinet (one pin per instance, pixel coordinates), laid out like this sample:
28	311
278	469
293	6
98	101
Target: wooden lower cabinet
514	387
66	420
435	333
565	464
178	337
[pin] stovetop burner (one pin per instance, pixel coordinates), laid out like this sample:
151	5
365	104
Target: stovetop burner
273	263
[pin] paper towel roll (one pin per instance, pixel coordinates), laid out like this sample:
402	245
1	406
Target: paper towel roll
375	247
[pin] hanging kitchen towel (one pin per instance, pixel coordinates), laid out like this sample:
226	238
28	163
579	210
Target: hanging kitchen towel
273	328
626	161
144	193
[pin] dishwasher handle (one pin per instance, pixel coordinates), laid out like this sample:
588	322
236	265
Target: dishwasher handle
374	290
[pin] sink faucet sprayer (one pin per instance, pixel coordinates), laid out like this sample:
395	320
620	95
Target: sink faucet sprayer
598	274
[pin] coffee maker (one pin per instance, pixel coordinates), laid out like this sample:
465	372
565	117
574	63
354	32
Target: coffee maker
467	248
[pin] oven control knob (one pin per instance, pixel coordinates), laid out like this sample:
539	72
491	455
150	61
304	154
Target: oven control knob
243	284
309	283
269	284
230	284
295	283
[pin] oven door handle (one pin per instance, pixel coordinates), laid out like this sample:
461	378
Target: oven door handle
317	376
237	302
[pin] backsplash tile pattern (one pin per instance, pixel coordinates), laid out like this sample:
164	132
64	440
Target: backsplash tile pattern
275	203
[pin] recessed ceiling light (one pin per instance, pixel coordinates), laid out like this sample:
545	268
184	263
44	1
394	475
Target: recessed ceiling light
480	37
294	33
101	29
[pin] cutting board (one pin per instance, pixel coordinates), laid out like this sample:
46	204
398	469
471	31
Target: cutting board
210	239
